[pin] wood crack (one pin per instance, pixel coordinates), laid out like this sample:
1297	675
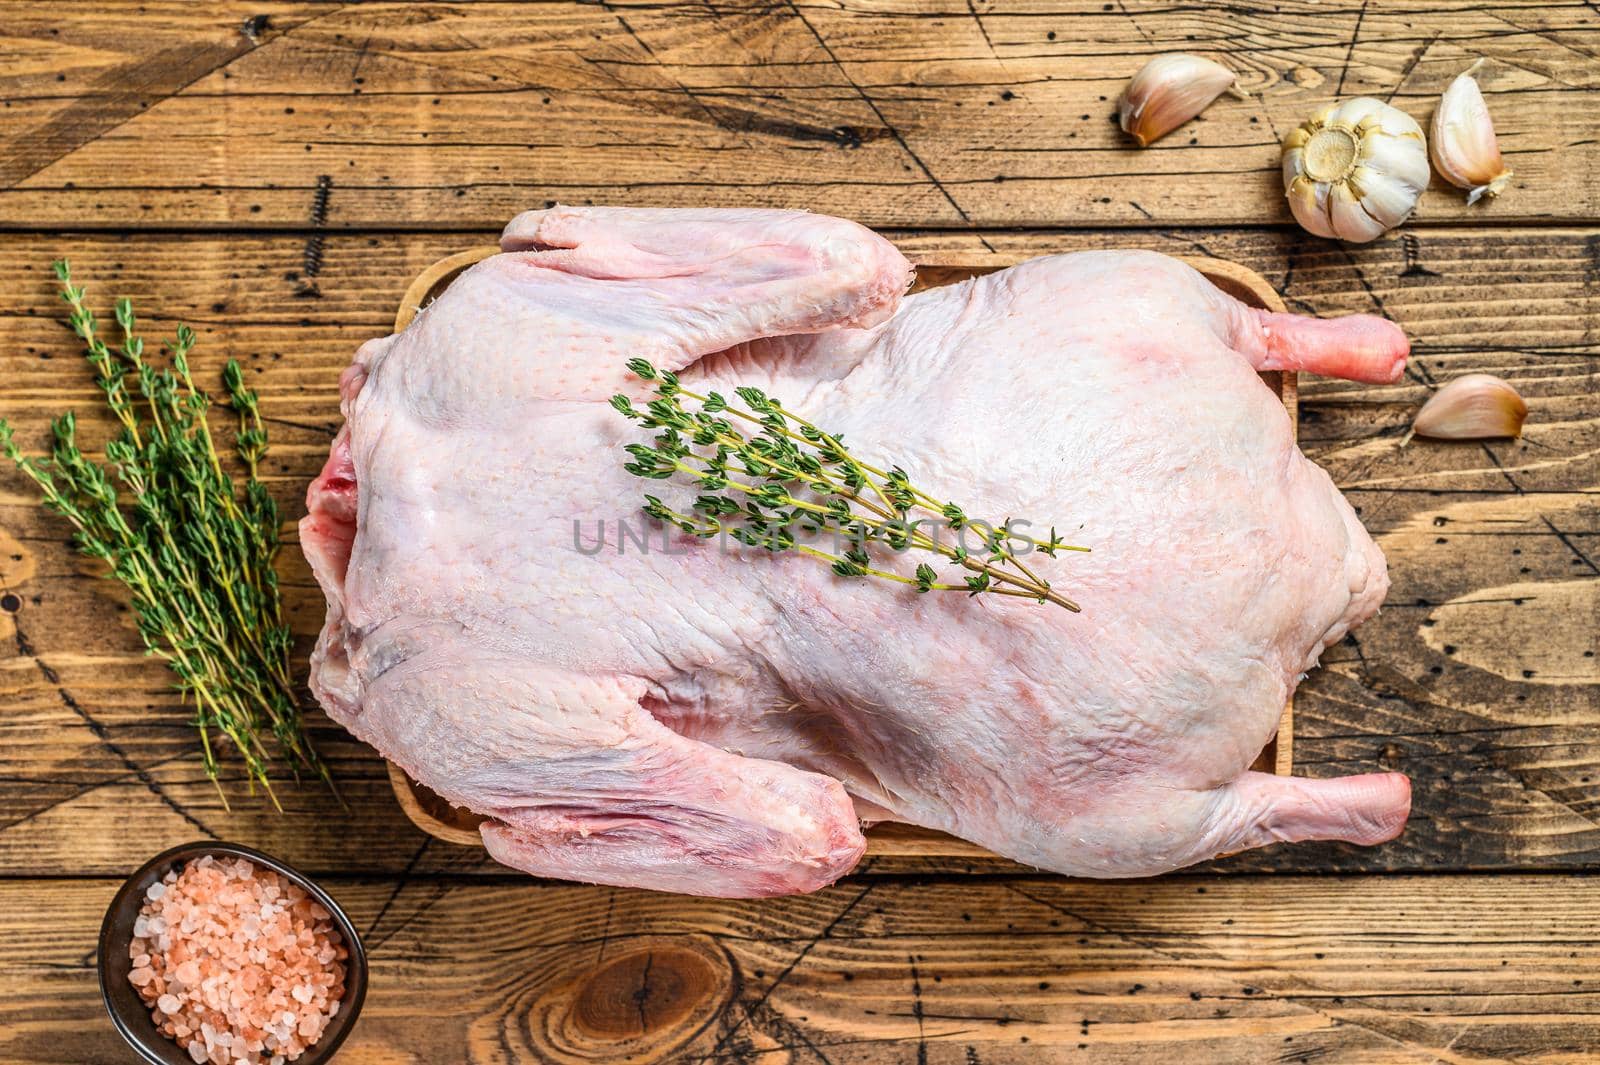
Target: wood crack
825	932
400	885
893	131
103	735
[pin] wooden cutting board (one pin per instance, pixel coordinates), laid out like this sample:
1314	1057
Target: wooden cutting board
454	824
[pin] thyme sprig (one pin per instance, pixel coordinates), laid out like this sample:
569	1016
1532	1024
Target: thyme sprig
788	476
195	554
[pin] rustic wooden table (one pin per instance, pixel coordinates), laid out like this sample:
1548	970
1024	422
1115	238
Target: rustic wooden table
275	173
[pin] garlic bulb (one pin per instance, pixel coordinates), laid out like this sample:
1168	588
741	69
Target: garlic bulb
1465	150
1167	92
1475	406
1355	169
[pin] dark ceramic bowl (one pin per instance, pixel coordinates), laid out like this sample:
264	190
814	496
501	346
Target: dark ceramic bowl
128	1011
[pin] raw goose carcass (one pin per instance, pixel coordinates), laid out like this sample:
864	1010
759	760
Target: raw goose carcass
699	722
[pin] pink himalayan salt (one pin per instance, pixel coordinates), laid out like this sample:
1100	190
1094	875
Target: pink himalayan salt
237	964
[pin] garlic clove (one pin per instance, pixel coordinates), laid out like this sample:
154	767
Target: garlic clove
1355	169
1465	149
1475	406
1396	155
1383	198
1356	110
1365	112
1167	92
1349	217
1309	202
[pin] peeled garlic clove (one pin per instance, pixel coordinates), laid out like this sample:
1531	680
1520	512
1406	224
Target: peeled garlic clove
1355	169
1465	149
1167	92
1476	406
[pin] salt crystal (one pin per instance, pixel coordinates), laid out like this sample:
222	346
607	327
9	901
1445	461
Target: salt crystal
168	1003
155	891
141	926
302	993
197	1051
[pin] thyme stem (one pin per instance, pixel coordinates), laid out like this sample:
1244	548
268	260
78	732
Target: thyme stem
194	550
802	475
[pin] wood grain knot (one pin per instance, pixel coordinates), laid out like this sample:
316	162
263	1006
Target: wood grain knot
17	567
17	564
639	1005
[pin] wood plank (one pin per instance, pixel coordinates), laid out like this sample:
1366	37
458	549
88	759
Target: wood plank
896	112
98	768
1404	969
